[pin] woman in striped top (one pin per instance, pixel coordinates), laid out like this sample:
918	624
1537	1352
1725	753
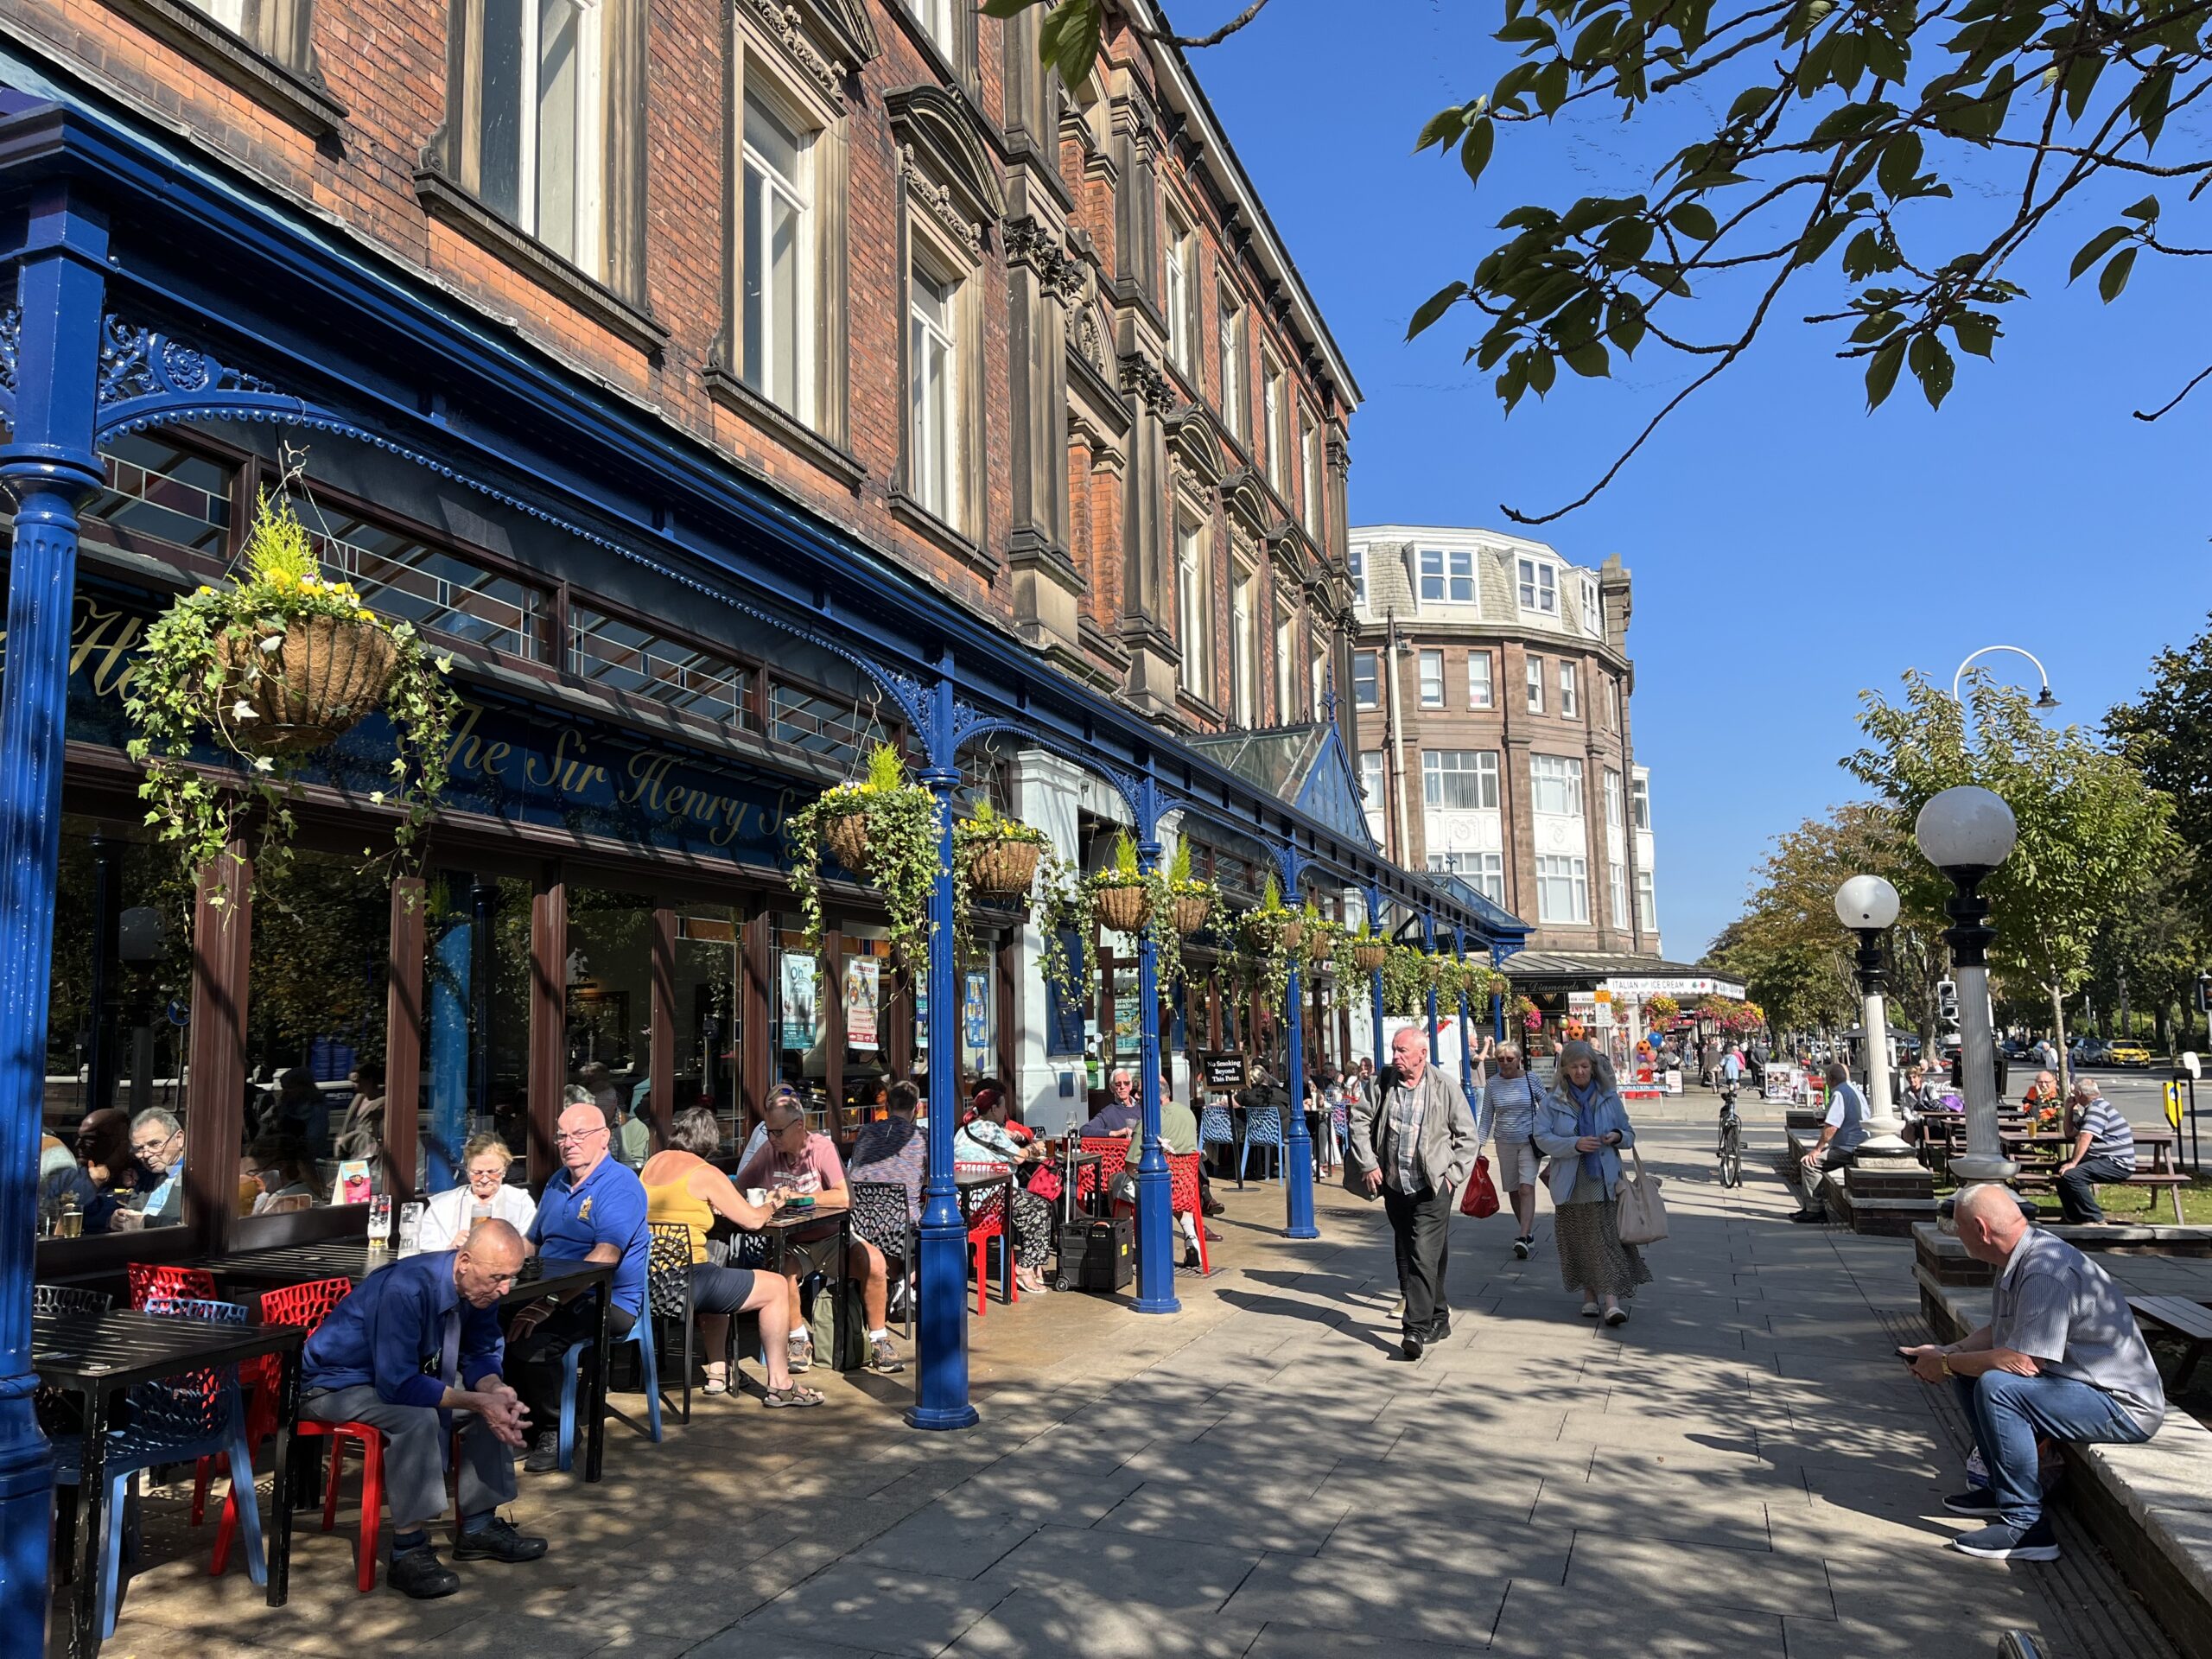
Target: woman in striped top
2104	1151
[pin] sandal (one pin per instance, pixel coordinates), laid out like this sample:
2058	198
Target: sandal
717	1381
796	1394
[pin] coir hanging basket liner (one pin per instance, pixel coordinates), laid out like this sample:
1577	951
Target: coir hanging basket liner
1368	958
1122	909
1189	912
1002	866
846	836
323	681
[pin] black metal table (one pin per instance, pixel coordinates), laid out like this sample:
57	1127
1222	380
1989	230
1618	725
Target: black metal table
98	1355
781	1232
300	1264
976	1180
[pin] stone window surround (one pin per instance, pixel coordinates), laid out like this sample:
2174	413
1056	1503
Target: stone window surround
803	79
275	65
444	181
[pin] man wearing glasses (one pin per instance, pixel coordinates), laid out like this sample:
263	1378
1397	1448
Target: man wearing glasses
157	1142
593	1209
1121	1113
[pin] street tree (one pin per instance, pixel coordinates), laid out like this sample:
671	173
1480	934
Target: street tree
2093	835
2168	733
1877	167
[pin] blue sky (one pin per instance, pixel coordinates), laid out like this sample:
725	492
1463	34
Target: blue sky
1789	548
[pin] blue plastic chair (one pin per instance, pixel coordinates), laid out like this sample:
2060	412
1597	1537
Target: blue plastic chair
571	1368
1262	1128
179	1420
1216	1129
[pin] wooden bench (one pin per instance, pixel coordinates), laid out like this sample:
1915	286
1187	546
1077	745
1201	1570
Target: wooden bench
2177	1315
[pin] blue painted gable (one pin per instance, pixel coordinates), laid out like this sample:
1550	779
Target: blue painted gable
1331	792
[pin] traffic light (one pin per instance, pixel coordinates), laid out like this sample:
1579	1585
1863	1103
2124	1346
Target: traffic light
1947	998
2204	993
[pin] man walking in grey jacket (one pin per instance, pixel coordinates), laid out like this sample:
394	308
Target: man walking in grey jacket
1416	1148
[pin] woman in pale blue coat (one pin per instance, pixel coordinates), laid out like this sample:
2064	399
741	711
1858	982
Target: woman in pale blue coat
1582	1126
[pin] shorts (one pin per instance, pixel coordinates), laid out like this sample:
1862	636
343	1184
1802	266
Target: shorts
1516	1163
719	1290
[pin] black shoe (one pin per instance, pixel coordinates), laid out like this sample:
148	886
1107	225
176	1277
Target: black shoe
419	1573
1213	1206
544	1455
1812	1215
1191	1257
498	1540
1522	1245
1975	1500
1999	1542
1439	1329
1410	1346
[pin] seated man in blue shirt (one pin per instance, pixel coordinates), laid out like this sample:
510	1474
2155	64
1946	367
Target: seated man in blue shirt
1119	1115
415	1343
592	1210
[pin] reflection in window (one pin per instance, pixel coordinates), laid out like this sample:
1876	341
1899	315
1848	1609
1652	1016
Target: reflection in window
706	1013
539	131
425	584
610	1007
834	729
933	430
161	489
623	657
476	1053
778	259
315	1035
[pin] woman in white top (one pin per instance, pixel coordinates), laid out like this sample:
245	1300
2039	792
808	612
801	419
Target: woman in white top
1510	1100
485	1196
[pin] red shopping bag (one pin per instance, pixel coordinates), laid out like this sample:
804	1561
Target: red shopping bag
1480	1200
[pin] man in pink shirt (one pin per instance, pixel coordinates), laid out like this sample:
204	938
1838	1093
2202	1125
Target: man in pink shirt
800	1160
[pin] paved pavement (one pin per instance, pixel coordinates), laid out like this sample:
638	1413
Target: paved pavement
1743	1470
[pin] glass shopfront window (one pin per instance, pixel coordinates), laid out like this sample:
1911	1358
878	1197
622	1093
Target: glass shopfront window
112	1128
315	1037
705	1016
476	1025
610	982
798	1012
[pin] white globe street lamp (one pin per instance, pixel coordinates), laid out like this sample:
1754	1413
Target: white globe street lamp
1868	907
1966	832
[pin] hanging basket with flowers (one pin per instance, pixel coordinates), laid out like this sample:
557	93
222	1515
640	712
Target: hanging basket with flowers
884	830
1319	935
280	662
998	855
1368	948
1120	897
1187	903
1661	1011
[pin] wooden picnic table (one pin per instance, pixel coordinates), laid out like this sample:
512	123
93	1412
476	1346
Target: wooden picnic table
2189	1321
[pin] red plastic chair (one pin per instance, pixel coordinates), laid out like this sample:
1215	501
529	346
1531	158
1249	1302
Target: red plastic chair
1184	1197
1113	1152
984	1209
308	1305
149	1279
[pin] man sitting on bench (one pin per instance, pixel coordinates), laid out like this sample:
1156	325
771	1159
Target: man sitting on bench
2061	1356
2104	1153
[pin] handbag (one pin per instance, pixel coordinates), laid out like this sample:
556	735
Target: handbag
1480	1200
1641	1218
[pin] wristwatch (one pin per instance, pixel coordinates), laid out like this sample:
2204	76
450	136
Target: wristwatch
1943	1359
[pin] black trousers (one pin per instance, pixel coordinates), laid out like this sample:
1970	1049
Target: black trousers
2077	1188
1421	1231
533	1363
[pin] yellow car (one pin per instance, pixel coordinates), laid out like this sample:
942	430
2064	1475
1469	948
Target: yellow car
2127	1054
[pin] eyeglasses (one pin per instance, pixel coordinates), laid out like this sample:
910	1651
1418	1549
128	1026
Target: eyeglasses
575	1135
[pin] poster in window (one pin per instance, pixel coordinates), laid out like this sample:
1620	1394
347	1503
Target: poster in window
798	1001
862	984
976	1011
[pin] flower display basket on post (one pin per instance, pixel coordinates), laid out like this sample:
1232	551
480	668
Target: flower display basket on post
282	662
1190	907
998	855
1369	953
884	830
1120	897
844	832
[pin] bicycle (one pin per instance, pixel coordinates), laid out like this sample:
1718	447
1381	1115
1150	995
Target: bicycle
1731	1150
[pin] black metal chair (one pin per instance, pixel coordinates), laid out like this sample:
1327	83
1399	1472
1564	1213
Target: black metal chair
69	1299
668	1296
883	1215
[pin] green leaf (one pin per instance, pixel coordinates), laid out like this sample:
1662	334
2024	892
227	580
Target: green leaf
2115	279
1882	371
1695	220
1932	365
1435	306
1068	40
1542	370
2095	249
1820	237
1004	8
1588	360
1475	149
1442	127
1551	87
1976	332
1875	326
2146	210
1900	164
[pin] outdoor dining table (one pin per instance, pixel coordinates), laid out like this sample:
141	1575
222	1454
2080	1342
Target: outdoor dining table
780	1233
99	1355
353	1259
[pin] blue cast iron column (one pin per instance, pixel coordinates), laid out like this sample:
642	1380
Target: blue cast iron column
1467	1023
1155	1192
1428	943
1497	998
941	1339
45	470
1374	981
1298	1145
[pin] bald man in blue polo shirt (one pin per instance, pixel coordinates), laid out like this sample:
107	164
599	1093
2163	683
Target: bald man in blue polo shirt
592	1210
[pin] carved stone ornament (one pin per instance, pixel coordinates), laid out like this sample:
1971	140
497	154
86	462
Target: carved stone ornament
1142	380
786	28
1031	243
936	198
1089	340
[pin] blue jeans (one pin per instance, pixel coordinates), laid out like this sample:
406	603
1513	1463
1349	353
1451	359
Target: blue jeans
2008	1412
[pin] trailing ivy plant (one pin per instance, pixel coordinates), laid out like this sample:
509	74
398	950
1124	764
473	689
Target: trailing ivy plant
1318	939
1405	982
200	672
904	855
1267	929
